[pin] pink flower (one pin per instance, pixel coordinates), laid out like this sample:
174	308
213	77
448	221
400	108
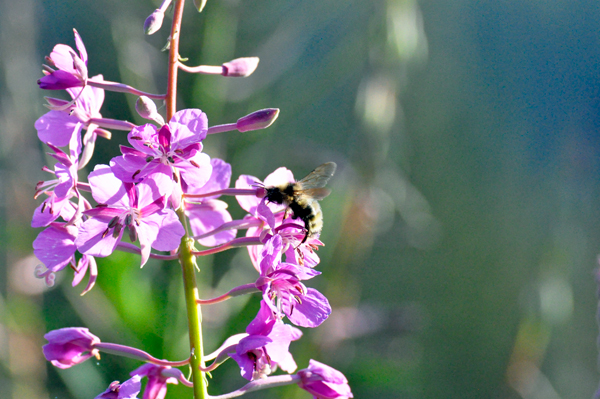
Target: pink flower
158	151
71	68
283	291
140	209
324	382
266	347
67	347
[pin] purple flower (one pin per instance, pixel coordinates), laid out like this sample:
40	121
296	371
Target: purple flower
139	208
67	347
324	382
59	125
127	390
175	145
296	247
156	388
283	291
60	189
207	214
72	68
266	347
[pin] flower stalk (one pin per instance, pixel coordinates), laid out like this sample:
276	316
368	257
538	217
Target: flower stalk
186	259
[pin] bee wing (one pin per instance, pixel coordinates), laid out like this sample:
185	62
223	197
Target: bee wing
318	178
315	193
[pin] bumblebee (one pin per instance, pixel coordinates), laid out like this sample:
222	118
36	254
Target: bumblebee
301	197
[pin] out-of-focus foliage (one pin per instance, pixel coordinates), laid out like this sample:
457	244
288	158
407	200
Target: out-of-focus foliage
462	232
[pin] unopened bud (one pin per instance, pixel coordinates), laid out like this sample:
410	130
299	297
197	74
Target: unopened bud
240	67
199	4
257	120
154	22
147	110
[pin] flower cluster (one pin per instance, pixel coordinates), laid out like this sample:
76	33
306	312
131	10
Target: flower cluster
163	192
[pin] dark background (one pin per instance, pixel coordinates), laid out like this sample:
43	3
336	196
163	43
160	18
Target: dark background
462	232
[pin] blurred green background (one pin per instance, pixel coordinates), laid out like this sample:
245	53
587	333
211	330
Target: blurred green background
462	232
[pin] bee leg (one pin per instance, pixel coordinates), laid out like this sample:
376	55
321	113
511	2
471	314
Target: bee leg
305	237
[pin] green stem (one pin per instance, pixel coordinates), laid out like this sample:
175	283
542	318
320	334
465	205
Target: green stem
187	260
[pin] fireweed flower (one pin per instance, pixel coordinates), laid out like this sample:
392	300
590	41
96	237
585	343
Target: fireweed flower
127	390
59	125
140	208
67	347
156	388
207	214
292	236
324	382
158	151
266	347
61	189
72	68
284	293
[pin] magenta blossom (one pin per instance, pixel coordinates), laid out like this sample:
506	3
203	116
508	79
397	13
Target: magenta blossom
59	125
296	247
60	189
158	378
67	347
127	390
158	151
138	208
71	68
266	347
284	293
324	382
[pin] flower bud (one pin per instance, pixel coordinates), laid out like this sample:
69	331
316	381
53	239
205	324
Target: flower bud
199	4
257	120
324	382
147	110
67	347
145	107
154	22
240	67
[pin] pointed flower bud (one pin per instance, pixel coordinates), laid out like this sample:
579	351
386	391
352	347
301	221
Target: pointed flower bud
240	67
324	382
67	347
257	120
199	4
147	110
154	22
